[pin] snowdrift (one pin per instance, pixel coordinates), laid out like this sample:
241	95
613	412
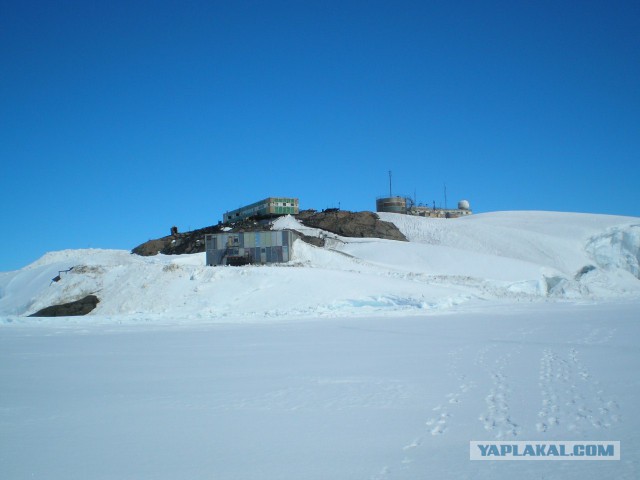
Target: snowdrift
447	263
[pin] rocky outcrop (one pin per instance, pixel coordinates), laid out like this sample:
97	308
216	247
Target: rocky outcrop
351	224
315	241
71	309
340	222
193	241
188	242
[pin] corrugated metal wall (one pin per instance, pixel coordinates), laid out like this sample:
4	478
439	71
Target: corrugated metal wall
255	247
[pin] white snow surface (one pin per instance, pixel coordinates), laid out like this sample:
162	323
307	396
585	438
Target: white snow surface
448	263
367	359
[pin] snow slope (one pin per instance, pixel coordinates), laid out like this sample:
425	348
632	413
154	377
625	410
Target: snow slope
503	256
562	241
367	359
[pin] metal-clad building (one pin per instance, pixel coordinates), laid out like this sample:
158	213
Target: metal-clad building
405	205
391	204
269	207
249	247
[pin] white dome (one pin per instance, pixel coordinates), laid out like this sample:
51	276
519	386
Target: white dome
463	205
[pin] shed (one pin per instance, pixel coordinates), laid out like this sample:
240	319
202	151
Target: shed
244	248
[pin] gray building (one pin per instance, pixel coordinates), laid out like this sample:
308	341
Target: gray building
405	205
268	208
243	248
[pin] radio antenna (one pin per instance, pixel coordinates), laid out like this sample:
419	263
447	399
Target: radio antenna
445	196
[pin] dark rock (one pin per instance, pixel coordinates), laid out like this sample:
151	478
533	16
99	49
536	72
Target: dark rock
179	243
347	224
193	241
317	241
152	247
71	309
351	224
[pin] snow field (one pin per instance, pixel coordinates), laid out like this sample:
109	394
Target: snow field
373	398
499	257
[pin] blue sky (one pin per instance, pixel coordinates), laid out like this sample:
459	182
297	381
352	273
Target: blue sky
121	119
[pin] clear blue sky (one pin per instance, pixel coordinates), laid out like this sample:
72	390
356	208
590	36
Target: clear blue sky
121	119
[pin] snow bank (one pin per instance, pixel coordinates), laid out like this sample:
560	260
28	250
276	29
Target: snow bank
504	256
617	248
552	239
563	247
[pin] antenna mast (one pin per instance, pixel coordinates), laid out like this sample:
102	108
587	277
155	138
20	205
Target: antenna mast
390	195
445	196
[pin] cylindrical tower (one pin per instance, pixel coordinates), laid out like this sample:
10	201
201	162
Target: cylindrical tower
391	204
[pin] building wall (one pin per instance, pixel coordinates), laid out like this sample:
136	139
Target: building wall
249	247
398	204
391	205
438	212
269	207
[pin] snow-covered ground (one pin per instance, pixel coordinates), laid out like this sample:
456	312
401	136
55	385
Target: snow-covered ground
503	257
368	359
340	398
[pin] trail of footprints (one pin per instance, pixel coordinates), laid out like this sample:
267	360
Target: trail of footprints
563	382
497	416
437	424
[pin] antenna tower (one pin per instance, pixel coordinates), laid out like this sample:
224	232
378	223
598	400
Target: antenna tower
445	196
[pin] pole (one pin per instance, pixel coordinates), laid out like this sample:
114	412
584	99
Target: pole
445	196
